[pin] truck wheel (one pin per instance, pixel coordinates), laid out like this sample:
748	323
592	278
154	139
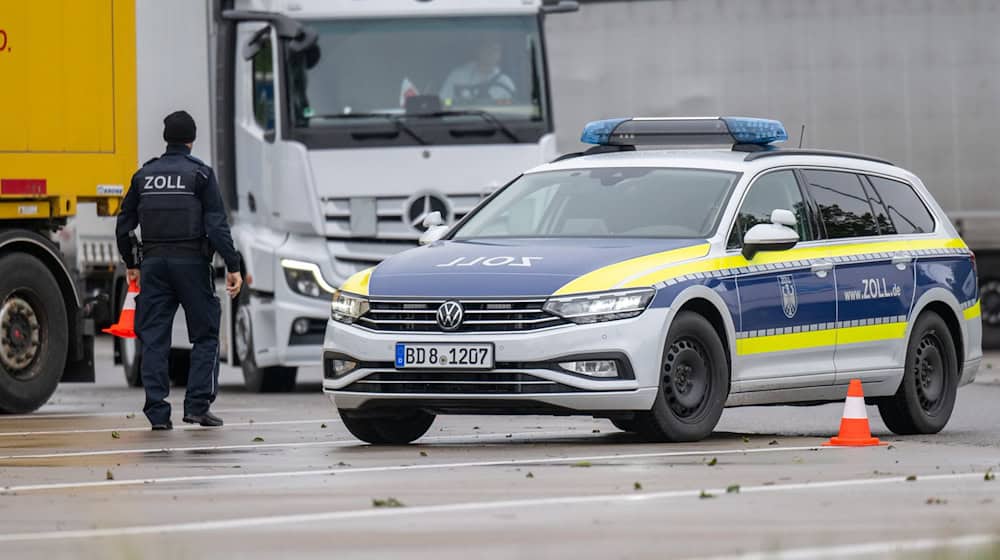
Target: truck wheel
694	383
926	396
398	429
34	337
278	379
131	354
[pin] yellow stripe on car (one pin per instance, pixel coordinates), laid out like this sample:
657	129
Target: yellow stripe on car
358	283
816	339
972	312
610	276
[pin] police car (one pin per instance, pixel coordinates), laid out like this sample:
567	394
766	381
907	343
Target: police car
655	287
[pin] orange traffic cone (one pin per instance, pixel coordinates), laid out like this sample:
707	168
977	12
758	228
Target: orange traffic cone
854	430
125	327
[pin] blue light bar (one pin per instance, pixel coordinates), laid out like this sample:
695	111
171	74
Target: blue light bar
693	131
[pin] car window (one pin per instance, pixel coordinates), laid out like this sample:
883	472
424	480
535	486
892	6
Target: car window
777	190
606	202
843	204
263	86
906	212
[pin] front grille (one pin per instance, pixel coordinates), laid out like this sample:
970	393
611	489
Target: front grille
480	383
480	315
363	235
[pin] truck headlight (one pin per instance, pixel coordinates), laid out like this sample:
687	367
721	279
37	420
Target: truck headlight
607	306
345	307
305	278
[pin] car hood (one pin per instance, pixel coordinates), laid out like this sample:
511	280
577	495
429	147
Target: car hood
518	267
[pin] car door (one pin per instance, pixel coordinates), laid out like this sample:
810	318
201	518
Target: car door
873	271
787	298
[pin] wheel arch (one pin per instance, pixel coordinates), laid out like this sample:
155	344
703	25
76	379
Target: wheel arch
710	305
943	303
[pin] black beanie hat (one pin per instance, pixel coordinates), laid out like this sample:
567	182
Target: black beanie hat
179	128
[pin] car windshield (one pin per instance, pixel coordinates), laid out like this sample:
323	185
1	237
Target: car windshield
444	68
605	202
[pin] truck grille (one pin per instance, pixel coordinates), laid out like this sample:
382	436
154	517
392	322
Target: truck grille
479	315
481	383
363	231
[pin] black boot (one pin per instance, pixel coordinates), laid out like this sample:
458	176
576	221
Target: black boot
207	419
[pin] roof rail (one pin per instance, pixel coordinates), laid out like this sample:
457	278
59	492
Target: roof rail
600	149
752	156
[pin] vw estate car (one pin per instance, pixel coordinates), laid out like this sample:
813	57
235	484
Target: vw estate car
656	286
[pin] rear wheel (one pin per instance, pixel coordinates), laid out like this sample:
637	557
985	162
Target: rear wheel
257	379
34	337
926	396
694	383
398	429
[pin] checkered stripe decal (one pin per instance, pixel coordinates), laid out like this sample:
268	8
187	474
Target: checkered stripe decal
967	304
791	265
823	326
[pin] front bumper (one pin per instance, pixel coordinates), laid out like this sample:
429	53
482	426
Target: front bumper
525	353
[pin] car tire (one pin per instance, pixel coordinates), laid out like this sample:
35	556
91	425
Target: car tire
278	379
31	304
398	429
926	395
693	383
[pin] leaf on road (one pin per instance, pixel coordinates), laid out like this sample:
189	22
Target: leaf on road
713	462
705	494
581	464
989	475
529	475
911	478
733	489
130	415
746	439
109	475
258	439
388	502
423	453
637	486
115	435
773	442
322	425
936	501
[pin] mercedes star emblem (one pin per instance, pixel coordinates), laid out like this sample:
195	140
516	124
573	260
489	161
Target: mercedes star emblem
420	206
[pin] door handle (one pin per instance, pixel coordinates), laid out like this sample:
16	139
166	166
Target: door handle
821	268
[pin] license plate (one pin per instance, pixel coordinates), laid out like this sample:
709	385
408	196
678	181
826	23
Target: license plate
444	356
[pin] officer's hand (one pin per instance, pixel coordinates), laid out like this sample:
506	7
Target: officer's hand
133	275
234	281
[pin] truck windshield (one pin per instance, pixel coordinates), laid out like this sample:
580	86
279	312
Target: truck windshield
605	202
420	81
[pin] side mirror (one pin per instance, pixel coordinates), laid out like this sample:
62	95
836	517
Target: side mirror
433	234
433	219
776	236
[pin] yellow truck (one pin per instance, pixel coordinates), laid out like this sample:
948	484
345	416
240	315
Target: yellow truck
68	137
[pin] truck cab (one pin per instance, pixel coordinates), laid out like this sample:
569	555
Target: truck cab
352	123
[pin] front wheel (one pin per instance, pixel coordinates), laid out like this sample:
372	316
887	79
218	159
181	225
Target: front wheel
258	379
926	396
398	429
34	337
694	383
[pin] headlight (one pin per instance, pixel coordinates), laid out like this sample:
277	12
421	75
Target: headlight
345	307
607	306
305	278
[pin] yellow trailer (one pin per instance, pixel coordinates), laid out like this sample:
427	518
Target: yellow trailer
68	136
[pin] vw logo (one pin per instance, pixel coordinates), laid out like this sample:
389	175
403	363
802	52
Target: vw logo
450	315
418	207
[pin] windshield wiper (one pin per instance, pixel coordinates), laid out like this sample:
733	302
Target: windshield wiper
396	120
485	115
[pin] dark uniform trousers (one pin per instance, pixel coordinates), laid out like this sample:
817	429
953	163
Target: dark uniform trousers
165	282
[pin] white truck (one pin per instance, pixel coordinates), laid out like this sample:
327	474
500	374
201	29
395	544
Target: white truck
336	127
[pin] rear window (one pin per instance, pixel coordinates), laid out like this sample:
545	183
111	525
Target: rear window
844	205
906	212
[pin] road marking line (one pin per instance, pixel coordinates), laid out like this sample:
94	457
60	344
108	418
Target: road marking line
181	427
42	415
247	522
867	549
394	468
328	443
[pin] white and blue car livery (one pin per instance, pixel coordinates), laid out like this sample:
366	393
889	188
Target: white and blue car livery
654	287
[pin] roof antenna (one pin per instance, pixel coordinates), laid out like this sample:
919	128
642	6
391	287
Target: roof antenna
802	135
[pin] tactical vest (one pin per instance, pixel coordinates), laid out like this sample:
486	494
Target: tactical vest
169	207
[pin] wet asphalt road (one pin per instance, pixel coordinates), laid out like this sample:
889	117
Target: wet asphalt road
85	478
